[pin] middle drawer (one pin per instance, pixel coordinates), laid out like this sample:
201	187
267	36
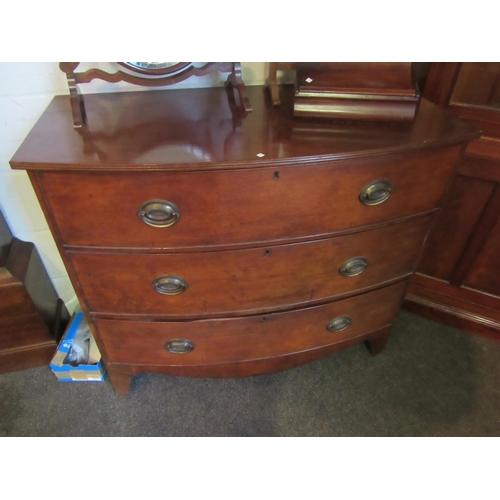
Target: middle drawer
247	281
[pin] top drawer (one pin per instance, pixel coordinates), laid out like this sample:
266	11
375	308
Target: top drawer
230	207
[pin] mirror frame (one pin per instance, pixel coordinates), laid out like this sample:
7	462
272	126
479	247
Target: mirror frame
151	78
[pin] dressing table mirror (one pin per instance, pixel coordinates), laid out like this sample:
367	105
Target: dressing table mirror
150	74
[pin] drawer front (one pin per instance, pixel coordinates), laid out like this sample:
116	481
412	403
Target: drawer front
253	337
234	207
247	280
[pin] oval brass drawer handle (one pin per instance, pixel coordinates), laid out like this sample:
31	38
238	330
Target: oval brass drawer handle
169	285
179	346
353	267
159	213
339	324
375	193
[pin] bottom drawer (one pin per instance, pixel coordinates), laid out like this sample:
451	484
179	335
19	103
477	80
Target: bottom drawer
251	337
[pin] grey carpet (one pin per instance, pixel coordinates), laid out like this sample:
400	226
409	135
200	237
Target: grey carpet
431	380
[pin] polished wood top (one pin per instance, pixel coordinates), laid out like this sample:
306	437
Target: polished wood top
192	129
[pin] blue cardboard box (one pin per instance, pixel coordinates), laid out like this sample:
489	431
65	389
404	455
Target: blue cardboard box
94	371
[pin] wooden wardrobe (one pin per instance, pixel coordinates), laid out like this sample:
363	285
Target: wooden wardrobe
458	278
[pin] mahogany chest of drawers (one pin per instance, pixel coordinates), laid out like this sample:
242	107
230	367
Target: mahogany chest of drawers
207	242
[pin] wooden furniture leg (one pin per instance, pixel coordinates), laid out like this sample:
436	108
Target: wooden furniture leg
376	344
120	376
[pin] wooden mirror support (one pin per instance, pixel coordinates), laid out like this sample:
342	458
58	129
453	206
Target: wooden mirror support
351	91
151	77
272	82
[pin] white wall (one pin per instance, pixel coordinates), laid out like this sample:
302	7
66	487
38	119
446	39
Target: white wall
26	89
